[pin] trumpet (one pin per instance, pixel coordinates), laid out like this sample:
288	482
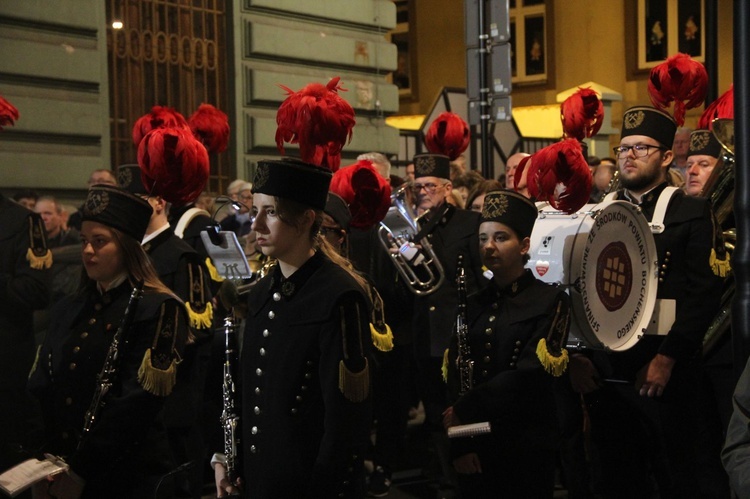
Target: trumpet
419	266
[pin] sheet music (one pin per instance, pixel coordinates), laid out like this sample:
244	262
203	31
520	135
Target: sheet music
228	256
24	475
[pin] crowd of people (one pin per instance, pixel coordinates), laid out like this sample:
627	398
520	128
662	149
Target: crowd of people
338	351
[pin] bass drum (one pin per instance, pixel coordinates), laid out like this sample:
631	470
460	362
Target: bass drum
605	258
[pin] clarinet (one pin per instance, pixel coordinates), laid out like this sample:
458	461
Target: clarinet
108	374
464	364
230	419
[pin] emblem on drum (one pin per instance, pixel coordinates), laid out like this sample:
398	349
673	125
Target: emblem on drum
614	276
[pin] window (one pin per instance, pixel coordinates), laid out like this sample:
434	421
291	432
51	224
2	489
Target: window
404	75
666	27
528	41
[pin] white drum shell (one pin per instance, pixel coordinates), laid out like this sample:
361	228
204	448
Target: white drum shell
605	257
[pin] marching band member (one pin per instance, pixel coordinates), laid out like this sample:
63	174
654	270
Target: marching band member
124	452
516	330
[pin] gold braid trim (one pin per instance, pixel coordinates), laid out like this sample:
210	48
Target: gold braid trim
555	365
354	386
155	381
200	320
555	362
382	341
212	271
444	367
39	262
721	268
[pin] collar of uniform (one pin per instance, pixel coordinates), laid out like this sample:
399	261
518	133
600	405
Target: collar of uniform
117	288
288	286
150	237
518	285
648	198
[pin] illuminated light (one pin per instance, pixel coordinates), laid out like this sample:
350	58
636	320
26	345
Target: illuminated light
116	24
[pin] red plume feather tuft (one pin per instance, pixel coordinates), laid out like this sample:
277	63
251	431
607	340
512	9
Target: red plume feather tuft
8	113
174	164
365	191
211	127
679	79
582	114
518	176
723	107
560	175
159	117
448	135
319	120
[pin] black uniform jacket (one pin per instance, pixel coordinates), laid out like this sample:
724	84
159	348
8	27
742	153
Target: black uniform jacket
511	389
124	450
303	436
685	275
435	314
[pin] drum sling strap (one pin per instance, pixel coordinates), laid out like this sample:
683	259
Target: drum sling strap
657	221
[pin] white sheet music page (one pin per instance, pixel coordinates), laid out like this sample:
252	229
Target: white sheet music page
24	475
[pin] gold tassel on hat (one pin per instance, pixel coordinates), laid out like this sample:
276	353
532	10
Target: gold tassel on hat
555	365
444	367
200	320
39	262
354	386
212	271
155	381
382	341
721	268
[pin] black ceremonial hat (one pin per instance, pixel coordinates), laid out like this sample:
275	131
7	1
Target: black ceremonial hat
117	208
703	142
651	122
432	165
129	178
337	209
293	179
512	209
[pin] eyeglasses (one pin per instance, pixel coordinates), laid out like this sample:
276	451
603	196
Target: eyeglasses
429	187
639	150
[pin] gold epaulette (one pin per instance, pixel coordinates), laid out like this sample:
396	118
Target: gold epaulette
383	341
354	386
199	308
720	266
550	351
212	271
38	255
158	372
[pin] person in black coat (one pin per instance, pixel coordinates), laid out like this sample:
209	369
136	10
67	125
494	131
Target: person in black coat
451	232
124	452
515	332
643	428
181	269
24	260
306	404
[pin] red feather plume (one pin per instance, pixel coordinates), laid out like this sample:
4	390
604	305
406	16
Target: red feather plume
319	120
365	191
174	164
679	79
8	113
211	127
560	175
723	107
159	117
448	135
582	114
518	176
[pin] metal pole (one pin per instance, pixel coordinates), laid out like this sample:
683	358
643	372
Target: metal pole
741	255
484	96
712	52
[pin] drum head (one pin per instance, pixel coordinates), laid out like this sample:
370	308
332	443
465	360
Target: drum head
616	269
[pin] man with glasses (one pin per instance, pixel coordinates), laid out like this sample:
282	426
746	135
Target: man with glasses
451	232
644	426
